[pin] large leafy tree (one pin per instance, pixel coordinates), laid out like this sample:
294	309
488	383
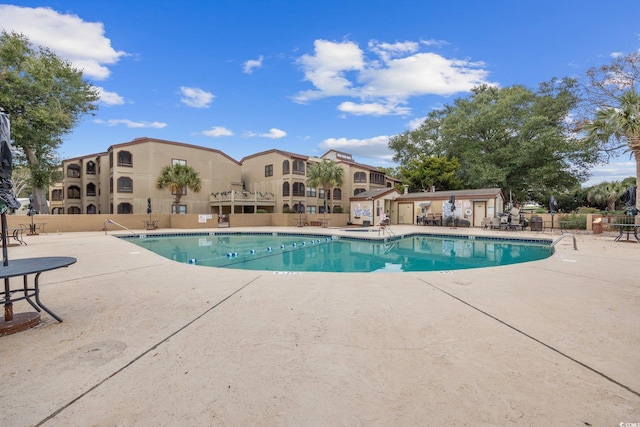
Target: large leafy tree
177	178
326	174
45	97
513	138
423	172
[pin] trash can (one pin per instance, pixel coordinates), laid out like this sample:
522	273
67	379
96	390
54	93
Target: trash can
535	223
596	226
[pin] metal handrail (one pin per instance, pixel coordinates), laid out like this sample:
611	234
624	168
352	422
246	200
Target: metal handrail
110	221
575	244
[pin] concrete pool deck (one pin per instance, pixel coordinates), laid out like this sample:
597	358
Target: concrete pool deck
146	341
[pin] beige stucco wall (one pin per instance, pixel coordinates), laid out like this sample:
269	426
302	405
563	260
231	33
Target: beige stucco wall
78	223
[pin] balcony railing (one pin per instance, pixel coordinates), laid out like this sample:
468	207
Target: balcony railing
242	196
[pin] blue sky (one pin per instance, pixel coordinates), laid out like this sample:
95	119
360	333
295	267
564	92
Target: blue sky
309	76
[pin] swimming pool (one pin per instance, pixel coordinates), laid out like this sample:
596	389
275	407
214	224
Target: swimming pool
284	252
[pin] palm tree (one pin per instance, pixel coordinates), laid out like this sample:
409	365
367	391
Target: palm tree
178	178
620	123
326	174
606	194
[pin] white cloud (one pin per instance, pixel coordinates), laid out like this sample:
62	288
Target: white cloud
82	43
131	124
396	72
109	98
327	67
372	109
417	122
218	131
375	148
251	64
196	97
274	134
614	171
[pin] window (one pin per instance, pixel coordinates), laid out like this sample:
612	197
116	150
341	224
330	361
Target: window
268	170
178	162
298	207
125	159
298	167
311	209
180	209
358	191
298	189
311	192
57	195
285	207
73	192
337	194
73	171
125	185
74	210
91	189
57	211
376	178
91	209
359	177
321	193
285	167
91	168
285	189
125	208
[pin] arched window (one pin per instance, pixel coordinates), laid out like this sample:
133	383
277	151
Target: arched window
285	189
337	194
125	185
285	167
125	159
285	207
298	189
298	207
91	189
298	167
358	191
57	211
91	209
73	192
74	210
359	177
57	195
73	171
91	168
125	208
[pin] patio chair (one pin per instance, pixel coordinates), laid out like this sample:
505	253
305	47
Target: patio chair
486	223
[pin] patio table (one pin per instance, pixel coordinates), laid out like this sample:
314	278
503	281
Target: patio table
626	228
25	267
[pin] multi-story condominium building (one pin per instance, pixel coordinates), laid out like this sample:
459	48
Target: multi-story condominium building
123	178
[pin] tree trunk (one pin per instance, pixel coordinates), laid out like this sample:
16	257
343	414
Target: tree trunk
39	193
40	200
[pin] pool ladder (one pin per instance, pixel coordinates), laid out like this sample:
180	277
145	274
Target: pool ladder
575	244
386	230
110	221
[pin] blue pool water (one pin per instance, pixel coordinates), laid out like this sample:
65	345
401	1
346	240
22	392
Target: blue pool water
295	252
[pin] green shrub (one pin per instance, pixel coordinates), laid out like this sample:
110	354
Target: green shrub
575	221
586	210
338	209
261	211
